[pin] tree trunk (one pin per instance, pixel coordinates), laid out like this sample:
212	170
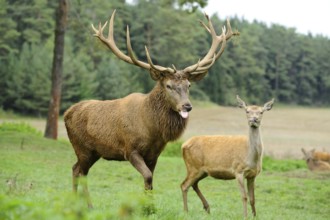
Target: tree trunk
54	104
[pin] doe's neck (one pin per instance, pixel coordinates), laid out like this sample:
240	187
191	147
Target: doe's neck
255	151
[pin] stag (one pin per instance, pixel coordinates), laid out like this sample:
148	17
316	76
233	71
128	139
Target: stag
137	127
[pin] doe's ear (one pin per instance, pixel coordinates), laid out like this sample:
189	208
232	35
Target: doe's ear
268	106
241	103
304	151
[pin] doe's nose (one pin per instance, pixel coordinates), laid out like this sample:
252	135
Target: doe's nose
187	107
253	120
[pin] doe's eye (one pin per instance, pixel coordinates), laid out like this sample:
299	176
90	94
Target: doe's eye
168	87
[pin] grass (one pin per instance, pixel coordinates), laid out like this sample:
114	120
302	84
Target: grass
35	183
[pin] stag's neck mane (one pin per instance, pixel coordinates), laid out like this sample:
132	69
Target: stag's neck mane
168	124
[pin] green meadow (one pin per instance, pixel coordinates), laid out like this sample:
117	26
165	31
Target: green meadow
35	182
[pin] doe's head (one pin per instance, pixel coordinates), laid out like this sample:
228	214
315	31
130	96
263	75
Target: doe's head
253	112
308	155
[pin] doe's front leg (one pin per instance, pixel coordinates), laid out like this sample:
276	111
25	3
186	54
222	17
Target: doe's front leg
250	186
240	180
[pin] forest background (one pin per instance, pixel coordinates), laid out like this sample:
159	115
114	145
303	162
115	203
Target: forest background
264	61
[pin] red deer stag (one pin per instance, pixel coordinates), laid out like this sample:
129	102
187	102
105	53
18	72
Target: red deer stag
137	127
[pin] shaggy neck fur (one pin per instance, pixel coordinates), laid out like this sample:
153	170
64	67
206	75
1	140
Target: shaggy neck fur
167	123
255	151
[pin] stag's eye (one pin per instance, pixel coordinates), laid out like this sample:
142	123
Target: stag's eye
168	87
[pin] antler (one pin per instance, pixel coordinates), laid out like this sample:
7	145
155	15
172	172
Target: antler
212	55
110	42
201	67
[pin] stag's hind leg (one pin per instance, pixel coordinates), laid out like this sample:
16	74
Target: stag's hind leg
75	175
80	169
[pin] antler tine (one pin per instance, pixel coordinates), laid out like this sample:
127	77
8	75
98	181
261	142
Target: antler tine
230	32
212	54
174	68
110	43
211	28
224	43
156	67
129	47
99	31
205	26
192	68
204	68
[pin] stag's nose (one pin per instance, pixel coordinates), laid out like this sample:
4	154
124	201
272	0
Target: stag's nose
187	107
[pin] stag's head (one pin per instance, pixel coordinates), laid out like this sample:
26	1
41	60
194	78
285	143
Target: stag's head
174	83
254	113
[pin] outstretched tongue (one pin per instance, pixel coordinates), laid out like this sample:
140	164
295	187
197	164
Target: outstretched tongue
184	114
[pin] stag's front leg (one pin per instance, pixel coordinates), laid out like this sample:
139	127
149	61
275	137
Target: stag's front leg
138	162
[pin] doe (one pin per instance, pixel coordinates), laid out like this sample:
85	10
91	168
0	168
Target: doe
316	161
226	157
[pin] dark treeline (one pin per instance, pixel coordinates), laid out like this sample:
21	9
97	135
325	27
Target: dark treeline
262	62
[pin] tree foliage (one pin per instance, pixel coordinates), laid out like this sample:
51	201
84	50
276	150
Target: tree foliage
264	61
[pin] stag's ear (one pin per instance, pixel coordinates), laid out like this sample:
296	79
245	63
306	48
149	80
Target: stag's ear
304	151
155	75
268	106
196	77
241	103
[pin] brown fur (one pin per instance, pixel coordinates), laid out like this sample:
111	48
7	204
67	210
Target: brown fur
226	157
316	161
322	156
135	128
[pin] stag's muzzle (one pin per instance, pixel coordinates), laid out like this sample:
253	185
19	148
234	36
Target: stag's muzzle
186	108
